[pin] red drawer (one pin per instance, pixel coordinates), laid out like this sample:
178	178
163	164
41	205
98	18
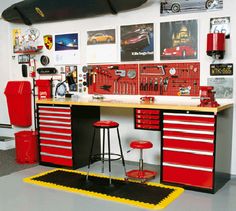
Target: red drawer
62	119
188	135
55	125
56	150
44	114
55	142
57	160
56	130
145	116
191	145
54	109
52	136
189	118
147	111
149	122
189	127
190	177
188	158
144	126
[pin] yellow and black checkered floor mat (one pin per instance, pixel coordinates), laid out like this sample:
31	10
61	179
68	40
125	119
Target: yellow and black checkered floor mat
148	195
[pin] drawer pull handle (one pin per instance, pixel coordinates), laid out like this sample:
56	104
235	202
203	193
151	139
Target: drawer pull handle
54	155
187	167
189	151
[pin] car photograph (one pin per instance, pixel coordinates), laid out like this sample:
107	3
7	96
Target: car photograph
135	41
179	51
176	6
100	38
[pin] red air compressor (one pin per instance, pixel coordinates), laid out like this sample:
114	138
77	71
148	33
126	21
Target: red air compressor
216	45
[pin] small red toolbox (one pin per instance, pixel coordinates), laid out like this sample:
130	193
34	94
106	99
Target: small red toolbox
44	89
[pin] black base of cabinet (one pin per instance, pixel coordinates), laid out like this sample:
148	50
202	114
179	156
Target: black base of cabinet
83	118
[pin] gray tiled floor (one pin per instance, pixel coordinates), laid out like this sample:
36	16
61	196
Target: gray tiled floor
16	195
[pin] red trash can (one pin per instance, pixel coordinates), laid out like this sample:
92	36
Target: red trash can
18	94
26	147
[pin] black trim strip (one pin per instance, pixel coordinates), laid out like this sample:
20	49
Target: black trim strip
113	10
24	19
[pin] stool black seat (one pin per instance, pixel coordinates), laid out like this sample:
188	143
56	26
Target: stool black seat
106	125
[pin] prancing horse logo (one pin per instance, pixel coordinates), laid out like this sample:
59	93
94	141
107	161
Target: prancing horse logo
48	41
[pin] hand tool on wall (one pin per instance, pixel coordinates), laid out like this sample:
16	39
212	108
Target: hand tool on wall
113	67
121	73
134	88
165	82
106	87
156	84
153	70
146	85
150	88
179	81
161	86
93	75
194	86
141	86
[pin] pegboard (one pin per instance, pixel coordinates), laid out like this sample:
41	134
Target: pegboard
171	79
117	79
175	79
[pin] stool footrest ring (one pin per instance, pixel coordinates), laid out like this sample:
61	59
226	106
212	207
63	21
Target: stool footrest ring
143	175
98	157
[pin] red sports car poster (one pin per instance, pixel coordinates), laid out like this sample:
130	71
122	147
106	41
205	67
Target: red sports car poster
137	42
179	40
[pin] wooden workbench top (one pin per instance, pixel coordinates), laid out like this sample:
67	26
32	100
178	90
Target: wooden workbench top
125	104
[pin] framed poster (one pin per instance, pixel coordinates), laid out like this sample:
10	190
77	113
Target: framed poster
66	49
101	46
137	42
170	7
179	40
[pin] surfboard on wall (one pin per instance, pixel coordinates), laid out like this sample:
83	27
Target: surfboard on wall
38	11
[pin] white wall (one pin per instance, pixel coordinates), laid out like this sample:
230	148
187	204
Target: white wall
148	13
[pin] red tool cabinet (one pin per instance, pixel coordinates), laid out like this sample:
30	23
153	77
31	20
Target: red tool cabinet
147	119
58	145
195	151
55	135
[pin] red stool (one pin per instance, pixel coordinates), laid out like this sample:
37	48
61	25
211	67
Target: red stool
106	125
140	173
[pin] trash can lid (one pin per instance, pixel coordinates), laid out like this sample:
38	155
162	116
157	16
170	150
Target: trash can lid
25	133
18	88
